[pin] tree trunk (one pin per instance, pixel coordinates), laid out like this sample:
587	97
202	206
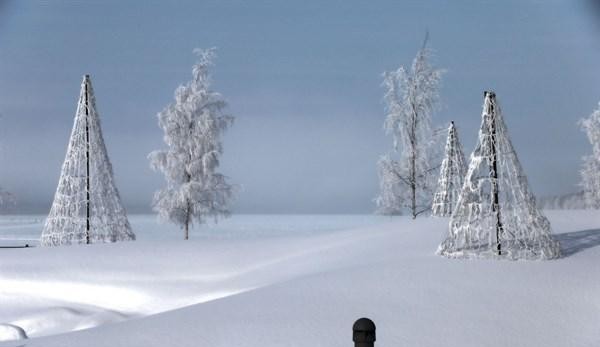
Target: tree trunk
494	173
413	164
87	162
187	230
413	188
186	227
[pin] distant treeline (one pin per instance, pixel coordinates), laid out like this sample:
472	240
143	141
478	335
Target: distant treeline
571	201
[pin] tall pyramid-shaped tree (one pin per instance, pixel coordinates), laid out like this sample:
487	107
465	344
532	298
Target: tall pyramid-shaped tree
87	207
452	173
192	127
496	215
407	183
590	172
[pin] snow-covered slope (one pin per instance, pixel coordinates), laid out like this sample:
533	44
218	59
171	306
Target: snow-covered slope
304	290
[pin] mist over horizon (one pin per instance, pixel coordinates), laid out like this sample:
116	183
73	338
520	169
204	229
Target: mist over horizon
304	83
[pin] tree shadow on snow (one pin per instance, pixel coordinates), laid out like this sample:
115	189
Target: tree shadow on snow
577	241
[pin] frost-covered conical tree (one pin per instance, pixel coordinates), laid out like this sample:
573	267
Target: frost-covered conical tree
590	172
496	215
452	173
193	126
87	207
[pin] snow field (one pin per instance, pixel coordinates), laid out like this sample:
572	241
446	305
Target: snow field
305	289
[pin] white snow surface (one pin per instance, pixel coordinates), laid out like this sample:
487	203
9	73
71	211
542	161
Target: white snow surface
302	280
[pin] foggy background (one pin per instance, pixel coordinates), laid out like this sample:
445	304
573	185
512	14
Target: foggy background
303	80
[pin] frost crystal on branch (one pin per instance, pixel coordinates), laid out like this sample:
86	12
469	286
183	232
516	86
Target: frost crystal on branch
590	172
411	97
192	127
496	215
452	172
87	207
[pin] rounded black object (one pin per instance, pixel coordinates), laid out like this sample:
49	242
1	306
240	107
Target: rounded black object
363	331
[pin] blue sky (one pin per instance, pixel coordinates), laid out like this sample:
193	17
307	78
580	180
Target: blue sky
303	79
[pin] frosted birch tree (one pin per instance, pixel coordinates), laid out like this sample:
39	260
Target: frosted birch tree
407	182
496	215
452	173
590	172
193	126
87	207
7	200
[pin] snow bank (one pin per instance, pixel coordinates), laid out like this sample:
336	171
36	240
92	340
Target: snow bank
305	290
12	332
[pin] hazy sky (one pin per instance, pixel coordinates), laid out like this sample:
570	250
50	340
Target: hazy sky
303	79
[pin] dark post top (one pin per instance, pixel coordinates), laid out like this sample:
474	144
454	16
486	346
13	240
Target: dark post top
363	331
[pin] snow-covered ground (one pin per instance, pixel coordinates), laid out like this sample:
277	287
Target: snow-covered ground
298	280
